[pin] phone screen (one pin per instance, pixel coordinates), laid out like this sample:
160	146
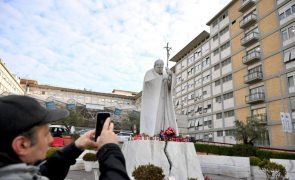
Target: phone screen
101	117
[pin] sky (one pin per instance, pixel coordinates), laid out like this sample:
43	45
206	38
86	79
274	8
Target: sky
97	45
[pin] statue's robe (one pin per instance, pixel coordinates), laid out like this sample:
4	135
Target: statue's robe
157	111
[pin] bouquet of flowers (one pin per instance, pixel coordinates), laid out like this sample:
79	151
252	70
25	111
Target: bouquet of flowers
170	132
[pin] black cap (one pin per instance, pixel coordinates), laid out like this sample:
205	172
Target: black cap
21	113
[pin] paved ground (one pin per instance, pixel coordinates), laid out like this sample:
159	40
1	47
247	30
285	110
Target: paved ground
83	175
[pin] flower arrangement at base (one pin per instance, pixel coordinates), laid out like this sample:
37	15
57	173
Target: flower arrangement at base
170	132
165	135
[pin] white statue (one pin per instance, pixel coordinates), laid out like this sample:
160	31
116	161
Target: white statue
157	112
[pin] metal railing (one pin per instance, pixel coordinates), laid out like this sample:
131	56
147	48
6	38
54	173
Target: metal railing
249	38
255	97
246	5
248	20
260	117
253	76
251	56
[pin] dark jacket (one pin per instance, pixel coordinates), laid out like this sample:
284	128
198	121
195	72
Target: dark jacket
111	163
56	167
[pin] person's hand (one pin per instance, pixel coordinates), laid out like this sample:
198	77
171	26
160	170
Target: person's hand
86	140
107	135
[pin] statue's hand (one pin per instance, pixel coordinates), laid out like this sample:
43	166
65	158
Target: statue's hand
168	71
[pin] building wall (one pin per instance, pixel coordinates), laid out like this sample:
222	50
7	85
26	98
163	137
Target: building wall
270	77
9	83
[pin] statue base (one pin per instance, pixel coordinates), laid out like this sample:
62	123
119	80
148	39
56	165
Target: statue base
183	157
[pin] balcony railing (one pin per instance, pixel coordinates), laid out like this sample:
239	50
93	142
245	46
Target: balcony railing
253	77
251	57
262	118
255	97
248	21
250	38
246	4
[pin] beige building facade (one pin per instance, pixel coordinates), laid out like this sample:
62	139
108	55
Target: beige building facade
9	83
243	69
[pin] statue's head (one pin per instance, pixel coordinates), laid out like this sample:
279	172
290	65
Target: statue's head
158	66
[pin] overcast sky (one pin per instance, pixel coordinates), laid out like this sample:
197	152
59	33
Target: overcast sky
98	45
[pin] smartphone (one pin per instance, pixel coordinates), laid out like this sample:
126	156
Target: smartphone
101	118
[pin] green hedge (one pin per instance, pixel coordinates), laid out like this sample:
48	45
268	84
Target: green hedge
213	149
264	154
242	150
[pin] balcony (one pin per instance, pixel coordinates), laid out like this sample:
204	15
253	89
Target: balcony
248	21
262	118
251	57
253	77
246	4
249	39
255	98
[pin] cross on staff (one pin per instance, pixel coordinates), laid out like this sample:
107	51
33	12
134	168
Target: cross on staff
168	49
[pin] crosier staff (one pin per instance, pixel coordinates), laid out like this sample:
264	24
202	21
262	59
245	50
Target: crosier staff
168	54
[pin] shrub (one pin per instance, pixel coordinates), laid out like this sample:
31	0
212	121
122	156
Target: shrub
262	154
272	170
213	149
254	161
89	157
51	151
244	150
282	155
148	172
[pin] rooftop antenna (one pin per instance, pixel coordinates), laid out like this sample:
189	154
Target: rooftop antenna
168	49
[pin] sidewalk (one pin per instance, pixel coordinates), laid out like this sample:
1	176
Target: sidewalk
83	175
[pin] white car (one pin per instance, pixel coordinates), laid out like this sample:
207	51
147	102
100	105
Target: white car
58	130
122	136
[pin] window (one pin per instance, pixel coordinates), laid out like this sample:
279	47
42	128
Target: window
227	78
214	23
225	62
218	99
190	71
288	12
215	52
282	16
291	81
223	16
227	95
259	89
223	47
229	113
291	31
198	53
255	69
218	115
288	32
289	54
223	31
219	133
216	67
229	133
217	83
285	35
206	62
215	37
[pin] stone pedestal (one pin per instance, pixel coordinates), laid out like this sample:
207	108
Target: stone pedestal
225	167
185	163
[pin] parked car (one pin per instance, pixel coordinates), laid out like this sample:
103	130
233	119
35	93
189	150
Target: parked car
124	136
58	130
